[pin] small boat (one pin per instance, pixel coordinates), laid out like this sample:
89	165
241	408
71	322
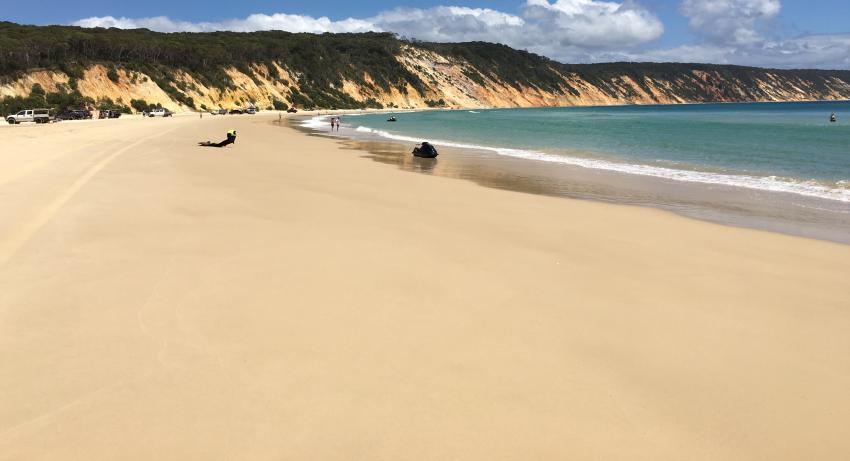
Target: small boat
425	150
392	119
833	118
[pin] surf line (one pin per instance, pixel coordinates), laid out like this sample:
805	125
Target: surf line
10	246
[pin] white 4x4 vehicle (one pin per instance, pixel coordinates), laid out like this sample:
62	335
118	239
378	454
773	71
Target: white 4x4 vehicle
159	113
29	115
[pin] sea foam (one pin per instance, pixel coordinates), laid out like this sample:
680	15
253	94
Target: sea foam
320	121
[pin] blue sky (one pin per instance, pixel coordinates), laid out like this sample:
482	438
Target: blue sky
775	33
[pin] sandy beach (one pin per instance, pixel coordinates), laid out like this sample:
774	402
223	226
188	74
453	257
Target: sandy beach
287	299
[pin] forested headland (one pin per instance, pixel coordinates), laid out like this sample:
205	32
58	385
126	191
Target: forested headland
66	66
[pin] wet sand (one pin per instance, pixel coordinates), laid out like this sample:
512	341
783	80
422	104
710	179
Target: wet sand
773	211
285	299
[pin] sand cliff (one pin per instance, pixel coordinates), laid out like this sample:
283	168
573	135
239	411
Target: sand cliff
452	80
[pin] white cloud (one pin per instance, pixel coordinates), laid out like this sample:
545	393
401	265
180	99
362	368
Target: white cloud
159	23
254	22
730	21
740	32
595	24
806	52
562	30
731	31
451	24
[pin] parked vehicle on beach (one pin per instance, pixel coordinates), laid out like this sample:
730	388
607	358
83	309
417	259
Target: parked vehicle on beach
29	115
235	111
66	115
292	110
160	113
73	114
251	110
109	114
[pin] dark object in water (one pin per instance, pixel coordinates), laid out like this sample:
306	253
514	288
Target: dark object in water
833	118
392	119
425	150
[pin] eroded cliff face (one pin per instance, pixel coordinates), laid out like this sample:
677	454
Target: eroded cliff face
49	80
452	80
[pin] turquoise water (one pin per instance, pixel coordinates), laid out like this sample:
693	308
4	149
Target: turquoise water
783	147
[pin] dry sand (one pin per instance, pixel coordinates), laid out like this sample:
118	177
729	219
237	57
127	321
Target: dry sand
287	300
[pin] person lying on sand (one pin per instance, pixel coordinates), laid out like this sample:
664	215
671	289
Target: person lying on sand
231	139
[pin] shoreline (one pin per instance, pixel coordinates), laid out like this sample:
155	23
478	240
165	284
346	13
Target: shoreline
775	211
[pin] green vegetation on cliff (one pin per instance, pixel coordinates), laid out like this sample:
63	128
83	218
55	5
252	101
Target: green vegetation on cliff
38	98
726	82
321	64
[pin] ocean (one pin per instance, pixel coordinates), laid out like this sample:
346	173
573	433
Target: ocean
783	163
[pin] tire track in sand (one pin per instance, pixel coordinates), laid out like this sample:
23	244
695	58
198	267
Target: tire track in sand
10	175
26	230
